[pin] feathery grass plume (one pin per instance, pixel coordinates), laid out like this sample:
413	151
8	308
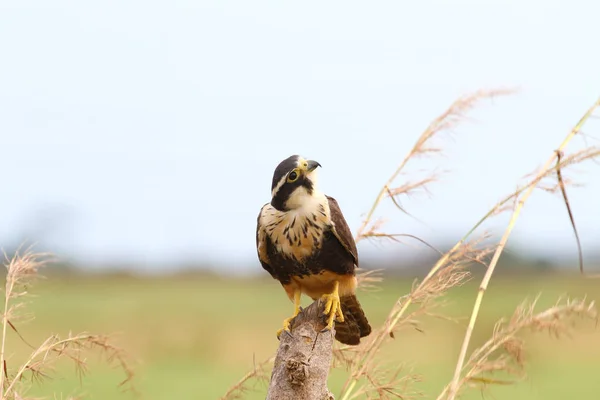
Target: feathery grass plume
258	374
521	196
448	272
503	352
22	269
368	280
422	301
424	146
20	272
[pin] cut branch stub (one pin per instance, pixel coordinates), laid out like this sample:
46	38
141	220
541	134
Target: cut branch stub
303	359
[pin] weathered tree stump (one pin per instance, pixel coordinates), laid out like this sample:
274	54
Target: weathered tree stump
303	359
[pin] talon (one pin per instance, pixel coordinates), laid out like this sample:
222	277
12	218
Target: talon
287	321
285	330
333	307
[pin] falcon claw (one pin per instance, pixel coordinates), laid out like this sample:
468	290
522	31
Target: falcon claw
289	334
286	331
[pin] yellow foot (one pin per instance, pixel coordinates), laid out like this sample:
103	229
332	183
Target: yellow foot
287	321
333	307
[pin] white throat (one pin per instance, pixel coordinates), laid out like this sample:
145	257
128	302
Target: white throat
301	199
296	232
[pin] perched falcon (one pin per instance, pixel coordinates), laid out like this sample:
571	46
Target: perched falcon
304	242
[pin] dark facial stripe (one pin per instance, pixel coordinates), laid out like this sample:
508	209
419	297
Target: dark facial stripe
308	184
285	191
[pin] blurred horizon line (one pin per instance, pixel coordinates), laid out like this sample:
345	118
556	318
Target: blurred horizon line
396	261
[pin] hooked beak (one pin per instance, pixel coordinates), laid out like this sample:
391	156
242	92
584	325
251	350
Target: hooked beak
311	165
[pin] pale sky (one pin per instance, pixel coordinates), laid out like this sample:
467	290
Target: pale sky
148	131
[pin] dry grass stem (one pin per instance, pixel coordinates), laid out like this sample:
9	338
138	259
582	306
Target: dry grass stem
21	271
544	171
424	145
368	280
503	352
424	296
448	272
563	190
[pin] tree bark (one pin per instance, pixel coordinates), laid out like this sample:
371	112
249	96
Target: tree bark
303	359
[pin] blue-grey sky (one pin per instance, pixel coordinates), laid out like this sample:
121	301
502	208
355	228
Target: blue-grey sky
148	131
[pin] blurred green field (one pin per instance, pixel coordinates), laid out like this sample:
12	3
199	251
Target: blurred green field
192	337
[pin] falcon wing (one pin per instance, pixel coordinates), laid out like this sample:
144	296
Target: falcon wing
341	230
261	243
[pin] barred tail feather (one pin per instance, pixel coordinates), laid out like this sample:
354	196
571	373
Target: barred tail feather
355	325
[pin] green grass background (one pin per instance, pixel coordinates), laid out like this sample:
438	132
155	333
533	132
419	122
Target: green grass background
192	337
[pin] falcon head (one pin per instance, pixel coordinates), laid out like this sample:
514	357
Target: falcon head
294	182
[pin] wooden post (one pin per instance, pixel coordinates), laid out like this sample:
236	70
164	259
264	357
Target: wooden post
303	359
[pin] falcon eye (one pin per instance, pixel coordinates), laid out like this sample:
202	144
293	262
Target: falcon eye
292	176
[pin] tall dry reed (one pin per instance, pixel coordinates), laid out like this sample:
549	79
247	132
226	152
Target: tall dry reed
21	272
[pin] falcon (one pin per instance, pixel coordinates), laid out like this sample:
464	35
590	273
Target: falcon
304	242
